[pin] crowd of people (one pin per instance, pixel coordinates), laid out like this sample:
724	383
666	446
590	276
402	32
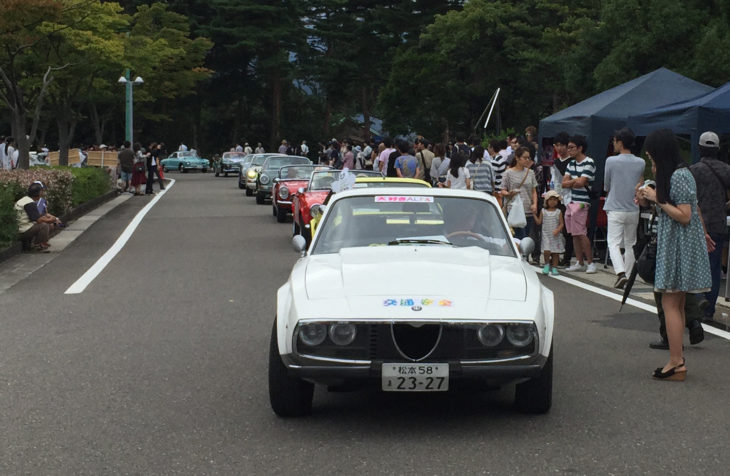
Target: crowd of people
138	166
556	186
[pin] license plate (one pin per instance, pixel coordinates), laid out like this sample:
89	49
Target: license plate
415	377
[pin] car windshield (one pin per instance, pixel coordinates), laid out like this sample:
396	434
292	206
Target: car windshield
234	156
186	154
258	160
246	162
279	162
298	172
324	180
382	220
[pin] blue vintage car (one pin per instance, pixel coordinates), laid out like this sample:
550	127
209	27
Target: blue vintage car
184	161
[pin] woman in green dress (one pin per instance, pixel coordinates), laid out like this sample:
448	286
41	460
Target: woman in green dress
682	263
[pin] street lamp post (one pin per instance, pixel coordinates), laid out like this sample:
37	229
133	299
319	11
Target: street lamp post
129	84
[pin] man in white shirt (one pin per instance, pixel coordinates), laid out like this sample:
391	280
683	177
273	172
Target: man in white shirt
623	173
247	149
304	148
3	158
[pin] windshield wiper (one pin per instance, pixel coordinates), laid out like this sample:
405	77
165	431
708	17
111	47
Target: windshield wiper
420	241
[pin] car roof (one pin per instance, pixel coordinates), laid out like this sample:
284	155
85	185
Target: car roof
411	191
393	180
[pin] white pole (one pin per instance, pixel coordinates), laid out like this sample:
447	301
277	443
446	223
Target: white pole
494	101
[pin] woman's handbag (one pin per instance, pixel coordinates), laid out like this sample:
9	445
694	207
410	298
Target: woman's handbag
516	217
139	167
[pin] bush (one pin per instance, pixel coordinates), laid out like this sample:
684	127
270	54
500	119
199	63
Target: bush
8	220
88	183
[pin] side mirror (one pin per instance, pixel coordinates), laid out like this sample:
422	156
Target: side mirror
299	244
527	246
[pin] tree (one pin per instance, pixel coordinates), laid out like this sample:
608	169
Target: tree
24	72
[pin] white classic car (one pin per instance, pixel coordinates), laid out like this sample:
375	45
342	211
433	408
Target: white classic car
411	290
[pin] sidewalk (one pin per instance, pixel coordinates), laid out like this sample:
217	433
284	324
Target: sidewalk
22	265
645	292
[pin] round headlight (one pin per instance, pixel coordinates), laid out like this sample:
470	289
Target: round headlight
251	174
490	335
519	336
264	179
315	210
313	334
343	333
283	192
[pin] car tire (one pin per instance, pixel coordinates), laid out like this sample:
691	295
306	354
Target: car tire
280	214
164	169
273	209
240	185
180	168
305	231
249	192
259	198
225	174
204	170
217	173
536	395
289	396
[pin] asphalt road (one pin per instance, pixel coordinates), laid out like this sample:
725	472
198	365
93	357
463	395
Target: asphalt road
160	367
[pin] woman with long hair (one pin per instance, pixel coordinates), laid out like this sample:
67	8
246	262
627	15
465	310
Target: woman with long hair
458	175
682	264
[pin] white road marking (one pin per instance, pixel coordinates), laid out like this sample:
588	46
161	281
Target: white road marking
631	302
80	285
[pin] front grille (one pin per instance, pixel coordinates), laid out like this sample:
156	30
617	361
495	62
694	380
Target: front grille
416	342
430	342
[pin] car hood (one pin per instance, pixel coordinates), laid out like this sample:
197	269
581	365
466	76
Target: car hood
402	273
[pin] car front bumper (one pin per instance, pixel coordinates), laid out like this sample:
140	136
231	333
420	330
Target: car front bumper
366	373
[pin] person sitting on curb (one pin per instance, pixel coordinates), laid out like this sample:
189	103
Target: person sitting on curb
42	205
33	227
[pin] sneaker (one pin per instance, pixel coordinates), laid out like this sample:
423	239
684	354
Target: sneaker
575	267
546	269
620	281
554	272
591	268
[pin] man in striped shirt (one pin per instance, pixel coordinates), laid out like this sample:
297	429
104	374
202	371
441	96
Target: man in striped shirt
579	177
499	161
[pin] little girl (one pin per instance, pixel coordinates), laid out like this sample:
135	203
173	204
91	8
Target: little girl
553	242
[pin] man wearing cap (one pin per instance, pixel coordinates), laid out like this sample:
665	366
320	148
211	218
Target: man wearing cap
713	182
283	147
623	174
32	226
247	149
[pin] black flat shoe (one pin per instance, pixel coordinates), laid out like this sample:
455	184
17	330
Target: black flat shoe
696	333
660	344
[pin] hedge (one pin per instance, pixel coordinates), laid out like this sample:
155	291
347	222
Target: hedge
67	187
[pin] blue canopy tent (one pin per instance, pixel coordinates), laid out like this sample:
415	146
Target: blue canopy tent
708	112
599	116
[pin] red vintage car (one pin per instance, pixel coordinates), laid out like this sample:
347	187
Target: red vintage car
315	193
290	179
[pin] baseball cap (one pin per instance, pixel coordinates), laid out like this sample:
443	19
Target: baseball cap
709	139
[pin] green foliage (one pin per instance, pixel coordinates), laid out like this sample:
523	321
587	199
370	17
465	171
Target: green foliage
88	183
8	220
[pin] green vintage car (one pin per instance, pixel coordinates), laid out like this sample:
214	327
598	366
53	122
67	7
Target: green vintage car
185	161
230	163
